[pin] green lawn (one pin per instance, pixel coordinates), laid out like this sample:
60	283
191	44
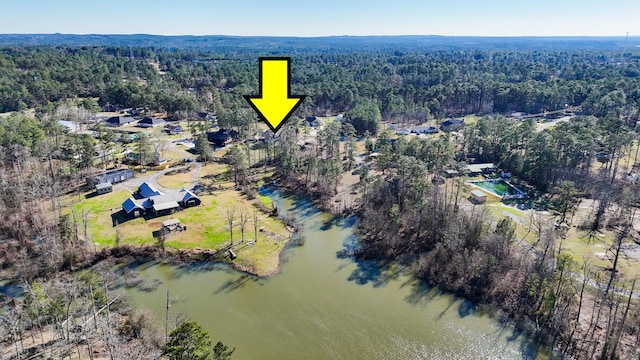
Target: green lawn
265	200
100	219
207	227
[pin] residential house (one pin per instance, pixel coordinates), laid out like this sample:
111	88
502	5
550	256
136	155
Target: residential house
150	201
117	121
146	190
173	129
477	169
422	129
163	204
452	125
113	177
133	208
206	116
187	198
103	188
149	122
222	137
314	121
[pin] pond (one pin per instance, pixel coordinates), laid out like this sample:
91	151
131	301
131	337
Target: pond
323	306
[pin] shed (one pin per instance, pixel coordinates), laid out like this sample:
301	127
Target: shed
104	188
171	225
170	222
478	196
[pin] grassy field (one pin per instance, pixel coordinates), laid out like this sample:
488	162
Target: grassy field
207	226
577	243
100	209
182	178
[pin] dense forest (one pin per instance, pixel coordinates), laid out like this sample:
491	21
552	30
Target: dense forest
412	86
408	214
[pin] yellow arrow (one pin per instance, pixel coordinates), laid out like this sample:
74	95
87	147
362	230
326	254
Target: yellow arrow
275	103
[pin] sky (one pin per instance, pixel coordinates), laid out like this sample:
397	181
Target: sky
323	17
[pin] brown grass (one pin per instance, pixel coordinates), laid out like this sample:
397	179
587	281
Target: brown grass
181	178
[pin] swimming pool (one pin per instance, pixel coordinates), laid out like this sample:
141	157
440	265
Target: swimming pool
499	187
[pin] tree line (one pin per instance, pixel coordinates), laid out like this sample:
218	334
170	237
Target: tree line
404	86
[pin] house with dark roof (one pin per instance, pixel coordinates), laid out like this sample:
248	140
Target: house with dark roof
313	121
187	199
150	201
133	208
222	137
146	190
116	121
452	125
149	122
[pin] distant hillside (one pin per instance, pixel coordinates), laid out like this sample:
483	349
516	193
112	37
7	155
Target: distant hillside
279	45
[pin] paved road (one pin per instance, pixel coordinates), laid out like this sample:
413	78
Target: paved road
196	174
548	124
132	184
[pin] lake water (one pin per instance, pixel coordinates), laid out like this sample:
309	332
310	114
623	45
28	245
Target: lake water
321	306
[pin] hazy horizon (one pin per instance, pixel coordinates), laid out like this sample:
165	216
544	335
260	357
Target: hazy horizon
497	18
332	36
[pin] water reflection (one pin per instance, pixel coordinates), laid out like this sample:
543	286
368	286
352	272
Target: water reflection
326	305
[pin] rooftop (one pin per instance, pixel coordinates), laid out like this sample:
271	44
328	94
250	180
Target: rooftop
147	190
165	206
476	168
452	122
104	185
170	222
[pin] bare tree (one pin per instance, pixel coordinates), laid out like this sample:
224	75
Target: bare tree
616	250
231	214
255	224
244	219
